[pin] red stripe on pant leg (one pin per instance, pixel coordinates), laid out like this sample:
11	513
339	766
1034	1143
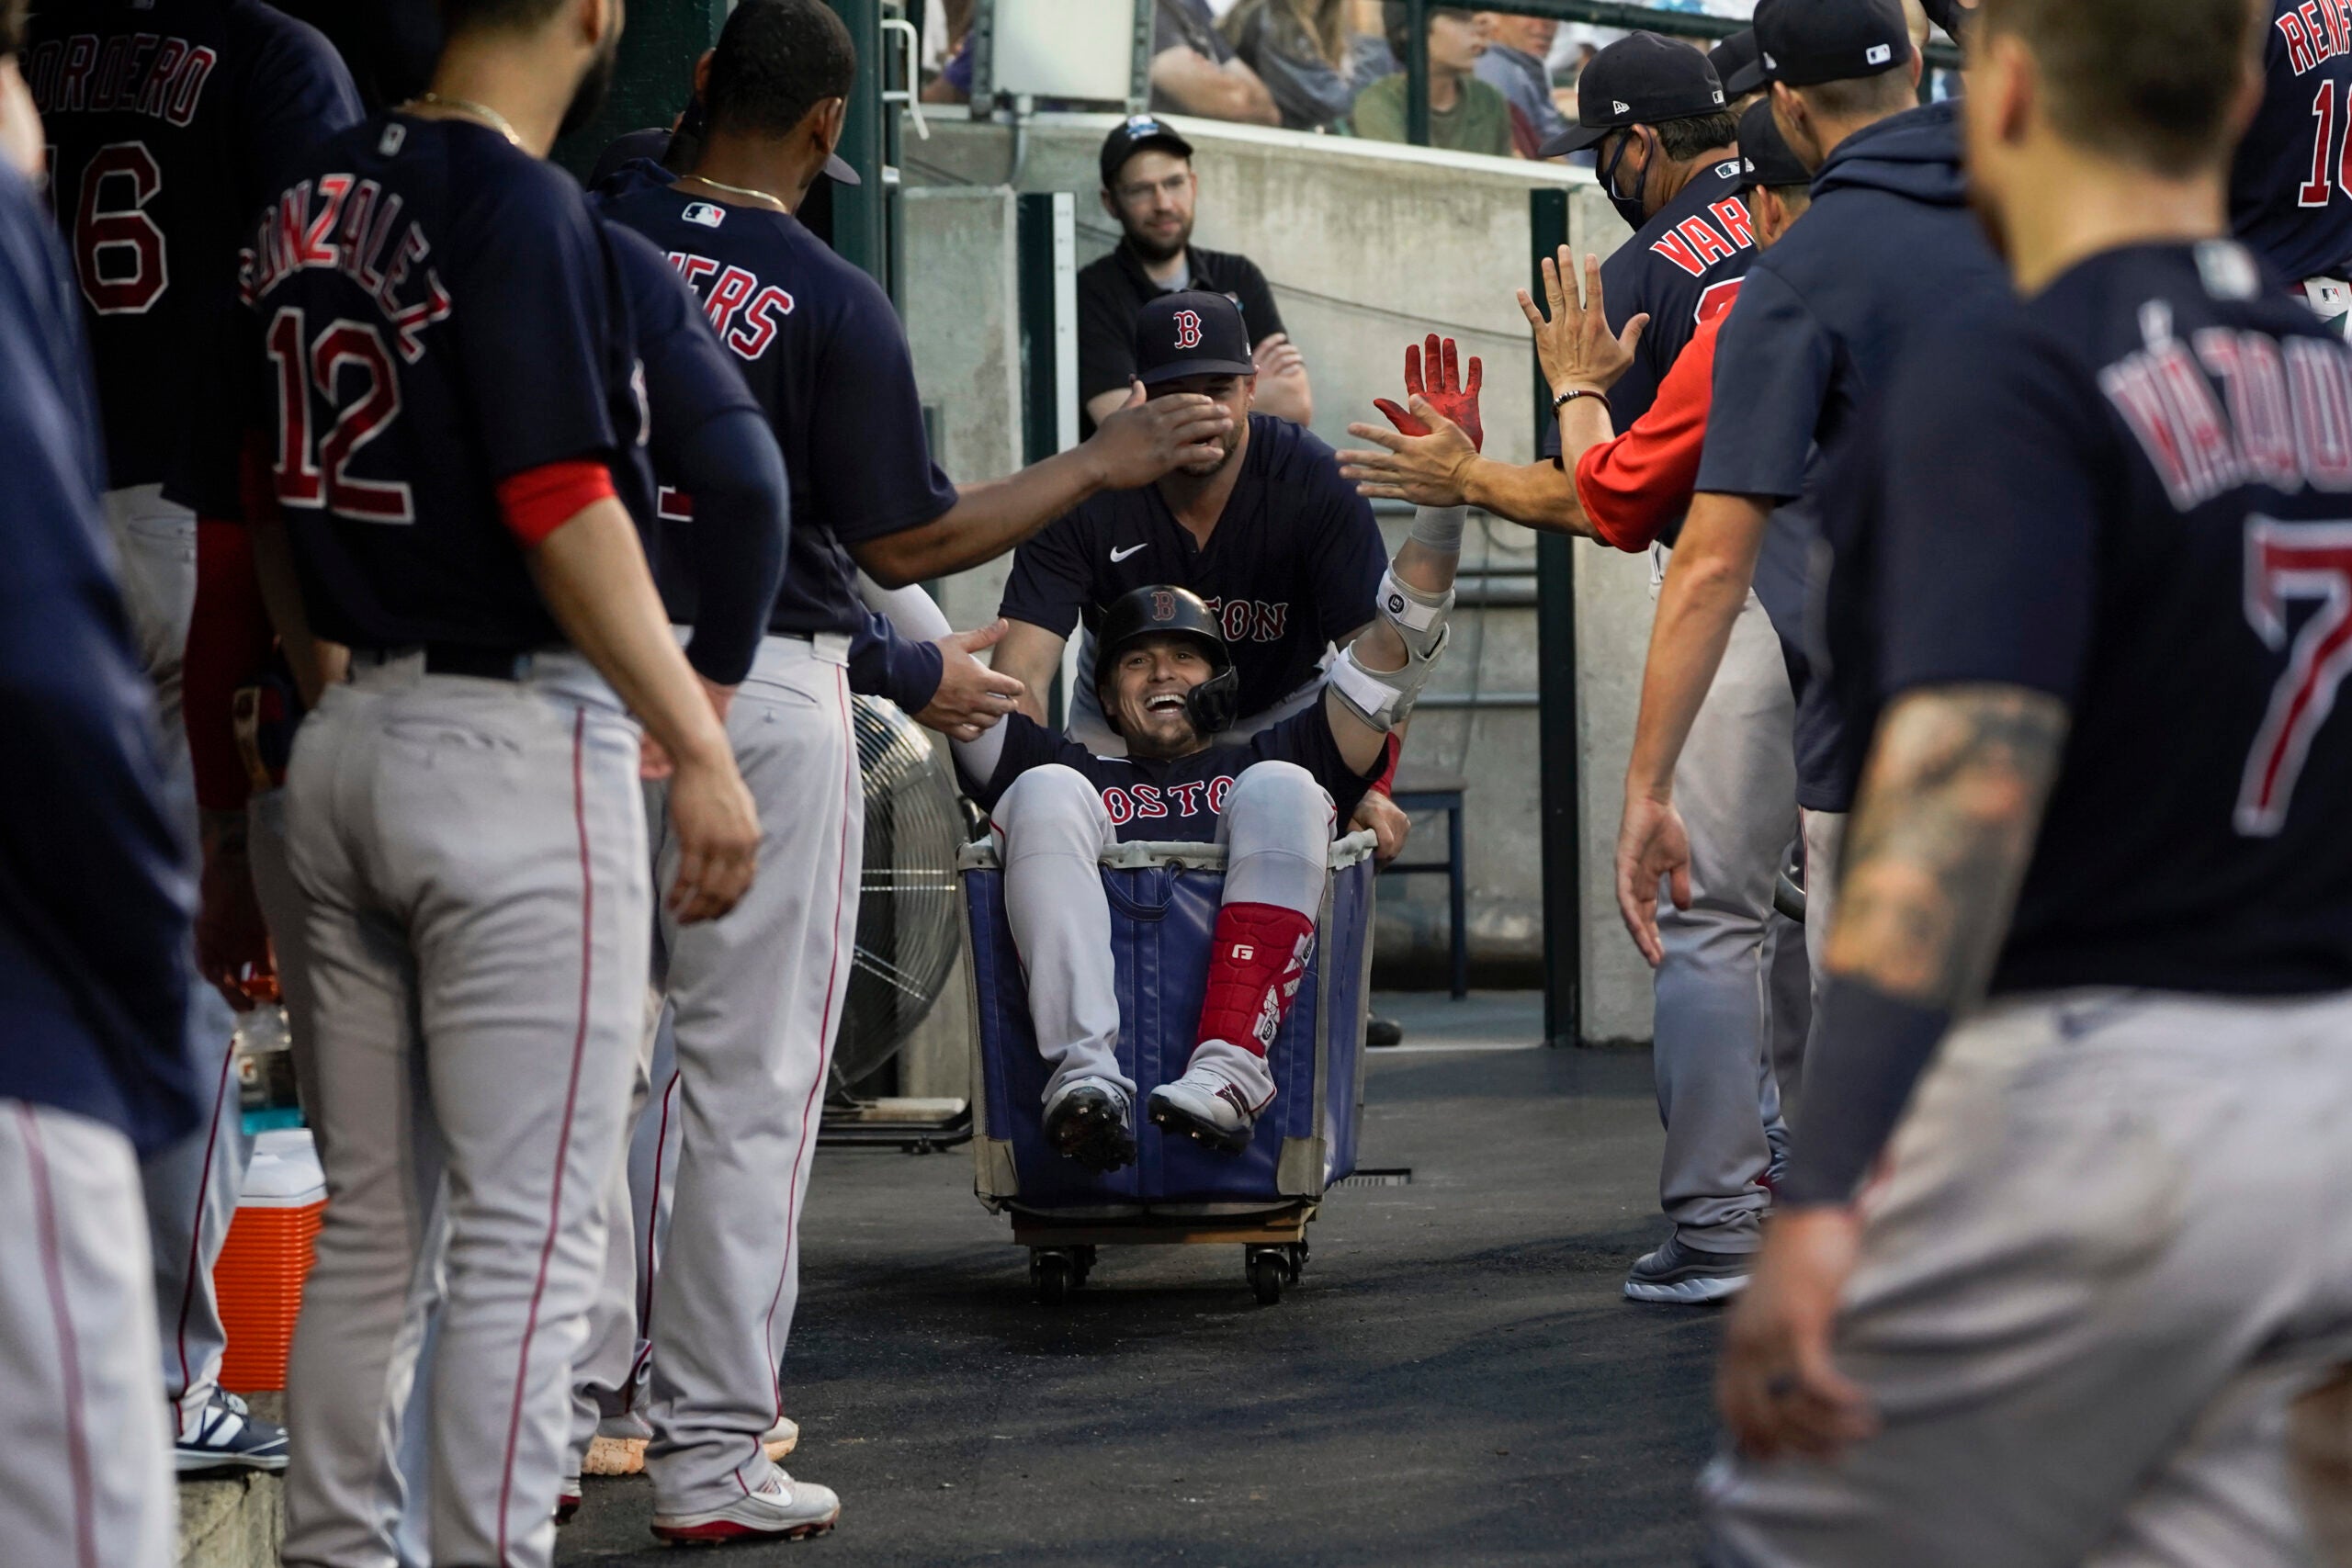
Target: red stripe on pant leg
826	1022
652	1229
195	1233
563	1136
68	1354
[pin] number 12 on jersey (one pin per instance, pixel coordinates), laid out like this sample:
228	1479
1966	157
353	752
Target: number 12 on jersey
2283	562
346	357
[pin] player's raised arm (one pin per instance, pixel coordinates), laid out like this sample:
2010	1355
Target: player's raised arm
1377	678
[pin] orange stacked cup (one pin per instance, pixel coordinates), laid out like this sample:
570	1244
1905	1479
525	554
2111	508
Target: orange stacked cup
266	1257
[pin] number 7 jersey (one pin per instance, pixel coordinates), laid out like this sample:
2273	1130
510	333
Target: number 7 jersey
168	123
2135	493
431	312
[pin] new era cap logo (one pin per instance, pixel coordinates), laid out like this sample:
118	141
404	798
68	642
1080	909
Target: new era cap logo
1879	53
1770	63
1618	105
704	213
1719	95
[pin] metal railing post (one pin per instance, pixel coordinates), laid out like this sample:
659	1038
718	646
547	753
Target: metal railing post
1562	792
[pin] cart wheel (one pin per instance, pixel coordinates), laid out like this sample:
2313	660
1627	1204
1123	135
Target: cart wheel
1055	1278
1266	1272
1297	1260
1082	1258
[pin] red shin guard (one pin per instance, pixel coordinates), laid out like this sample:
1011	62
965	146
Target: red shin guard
1256	962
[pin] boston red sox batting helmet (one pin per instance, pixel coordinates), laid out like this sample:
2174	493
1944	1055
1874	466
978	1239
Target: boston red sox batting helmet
1164	611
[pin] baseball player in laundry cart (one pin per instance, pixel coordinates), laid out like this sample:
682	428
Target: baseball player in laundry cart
1166	683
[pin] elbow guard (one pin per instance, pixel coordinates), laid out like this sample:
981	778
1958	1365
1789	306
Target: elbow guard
1384	698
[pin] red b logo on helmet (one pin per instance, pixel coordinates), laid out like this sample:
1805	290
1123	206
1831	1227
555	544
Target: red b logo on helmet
1188	329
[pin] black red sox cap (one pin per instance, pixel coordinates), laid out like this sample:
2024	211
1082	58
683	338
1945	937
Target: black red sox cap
1734	55
1195	334
1806	42
1639	80
1765	156
1133	136
1165	610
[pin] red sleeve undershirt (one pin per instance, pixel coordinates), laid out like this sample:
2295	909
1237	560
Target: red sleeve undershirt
1636	482
538	502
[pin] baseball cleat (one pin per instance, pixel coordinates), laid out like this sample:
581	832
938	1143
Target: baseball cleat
1684	1274
567	1499
619	1447
781	1509
1206	1109
229	1436
1090	1122
781	1439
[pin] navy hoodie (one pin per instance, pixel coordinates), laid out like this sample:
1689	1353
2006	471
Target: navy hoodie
1888	247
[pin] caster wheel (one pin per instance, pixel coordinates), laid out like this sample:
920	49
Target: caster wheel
1296	1261
1082	1259
1267	1271
1055	1278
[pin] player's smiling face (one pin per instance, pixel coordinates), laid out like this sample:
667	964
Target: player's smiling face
1149	685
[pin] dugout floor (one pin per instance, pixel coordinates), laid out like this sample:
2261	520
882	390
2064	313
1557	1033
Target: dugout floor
1456	1380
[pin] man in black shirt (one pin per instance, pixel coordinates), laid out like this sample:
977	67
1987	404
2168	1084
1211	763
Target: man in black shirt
2088	599
1149	187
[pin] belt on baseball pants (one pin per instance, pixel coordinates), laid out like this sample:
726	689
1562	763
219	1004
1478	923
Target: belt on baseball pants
458	659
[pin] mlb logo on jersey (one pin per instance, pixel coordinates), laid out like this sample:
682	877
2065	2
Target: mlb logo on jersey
704	213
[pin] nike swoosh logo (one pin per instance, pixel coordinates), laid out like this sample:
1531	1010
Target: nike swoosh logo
1118	556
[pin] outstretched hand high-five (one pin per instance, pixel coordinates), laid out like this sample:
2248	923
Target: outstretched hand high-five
1446	391
1437	437
1574	344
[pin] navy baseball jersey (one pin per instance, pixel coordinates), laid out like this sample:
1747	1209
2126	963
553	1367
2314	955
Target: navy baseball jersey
1162	801
1291	566
2145	515
827	358
95	897
435	311
2291	188
170	122
1683	266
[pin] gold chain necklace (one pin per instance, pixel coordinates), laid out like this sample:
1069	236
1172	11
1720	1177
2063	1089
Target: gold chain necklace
482	112
775	201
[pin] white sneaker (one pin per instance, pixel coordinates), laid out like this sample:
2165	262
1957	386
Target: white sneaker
781	1509
619	1447
781	1439
1206	1107
567	1499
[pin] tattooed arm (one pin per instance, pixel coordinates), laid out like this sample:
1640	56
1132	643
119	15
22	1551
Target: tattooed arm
1950	806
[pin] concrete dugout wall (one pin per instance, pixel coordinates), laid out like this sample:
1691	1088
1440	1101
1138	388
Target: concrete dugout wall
1367	246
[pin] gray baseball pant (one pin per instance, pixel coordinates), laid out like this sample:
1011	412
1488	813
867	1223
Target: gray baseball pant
472	857
2110	1251
1824	845
191	1186
756	1000
1051	829
88	1482
1736	787
611	1377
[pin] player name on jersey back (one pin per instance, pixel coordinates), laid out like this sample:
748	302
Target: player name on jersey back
347	224
153	75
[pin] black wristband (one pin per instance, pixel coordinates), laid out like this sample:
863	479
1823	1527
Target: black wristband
1873	1047
1564	399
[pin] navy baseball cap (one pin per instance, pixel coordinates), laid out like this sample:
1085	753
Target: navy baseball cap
1137	133
1806	42
1639	80
1734	55
1195	334
1765	156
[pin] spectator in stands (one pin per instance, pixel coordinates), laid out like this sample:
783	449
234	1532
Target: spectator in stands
1194	71
1466	114
1301	50
1516	47
1369	55
1149	186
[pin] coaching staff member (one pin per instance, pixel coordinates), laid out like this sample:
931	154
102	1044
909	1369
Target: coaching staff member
1149	187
